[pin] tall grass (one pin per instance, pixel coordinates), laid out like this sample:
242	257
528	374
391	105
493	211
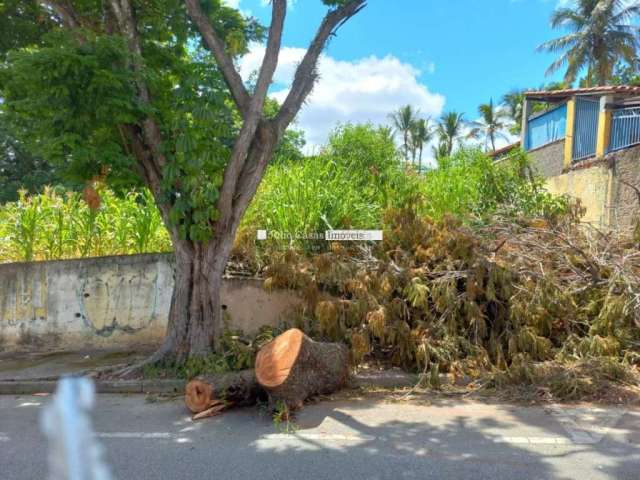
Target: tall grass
471	184
356	177
348	185
56	225
359	175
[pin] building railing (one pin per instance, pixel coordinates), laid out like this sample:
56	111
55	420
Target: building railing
585	128
590	127
625	128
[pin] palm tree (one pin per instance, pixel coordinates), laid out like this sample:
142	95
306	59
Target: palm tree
490	126
440	152
403	120
421	133
600	36
387	132
449	131
513	102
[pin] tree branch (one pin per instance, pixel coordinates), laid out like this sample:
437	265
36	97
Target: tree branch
125	18
272	52
217	48
150	173
262	148
253	114
633	187
65	12
306	75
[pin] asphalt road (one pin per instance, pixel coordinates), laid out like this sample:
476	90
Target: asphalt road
341	439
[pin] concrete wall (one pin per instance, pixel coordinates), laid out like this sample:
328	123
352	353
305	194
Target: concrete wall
590	185
111	302
625	165
597	182
548	160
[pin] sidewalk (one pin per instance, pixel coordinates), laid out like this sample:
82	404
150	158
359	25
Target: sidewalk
51	365
28	373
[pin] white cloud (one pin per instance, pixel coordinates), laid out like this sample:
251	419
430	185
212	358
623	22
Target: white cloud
363	90
232	3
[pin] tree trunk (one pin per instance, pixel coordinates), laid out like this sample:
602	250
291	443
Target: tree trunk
237	388
406	146
292	368
195	316
603	73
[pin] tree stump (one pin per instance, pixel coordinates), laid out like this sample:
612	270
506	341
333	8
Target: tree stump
292	368
209	391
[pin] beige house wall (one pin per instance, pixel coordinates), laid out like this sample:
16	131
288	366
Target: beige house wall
602	184
590	185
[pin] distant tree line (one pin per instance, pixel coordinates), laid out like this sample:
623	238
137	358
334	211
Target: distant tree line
602	45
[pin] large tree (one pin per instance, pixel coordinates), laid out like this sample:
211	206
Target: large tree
600	35
150	90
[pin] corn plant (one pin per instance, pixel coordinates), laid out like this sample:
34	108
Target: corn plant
56	225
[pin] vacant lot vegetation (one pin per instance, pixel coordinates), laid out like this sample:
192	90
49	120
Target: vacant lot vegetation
57	224
481	274
350	184
358	177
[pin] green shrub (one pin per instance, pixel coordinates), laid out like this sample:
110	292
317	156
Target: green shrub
471	183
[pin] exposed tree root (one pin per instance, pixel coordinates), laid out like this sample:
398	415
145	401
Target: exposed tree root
129	372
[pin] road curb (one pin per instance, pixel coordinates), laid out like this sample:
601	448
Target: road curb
385	379
396	378
380	379
29	387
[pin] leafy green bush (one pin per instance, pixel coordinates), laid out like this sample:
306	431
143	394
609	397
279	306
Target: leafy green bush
471	183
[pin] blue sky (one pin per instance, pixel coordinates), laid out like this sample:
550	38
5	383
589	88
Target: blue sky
441	55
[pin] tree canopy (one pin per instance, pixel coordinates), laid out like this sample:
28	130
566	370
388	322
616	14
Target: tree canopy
600	35
70	95
132	91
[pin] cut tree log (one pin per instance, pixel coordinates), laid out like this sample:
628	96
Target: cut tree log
235	388
293	368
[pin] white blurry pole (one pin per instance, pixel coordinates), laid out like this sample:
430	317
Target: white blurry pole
74	453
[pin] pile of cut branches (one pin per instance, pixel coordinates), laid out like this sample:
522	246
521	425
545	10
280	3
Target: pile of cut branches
492	297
